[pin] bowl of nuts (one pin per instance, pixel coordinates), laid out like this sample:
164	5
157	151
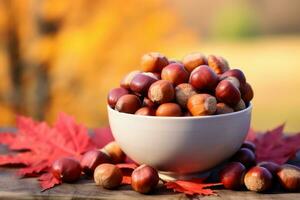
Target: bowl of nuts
181	117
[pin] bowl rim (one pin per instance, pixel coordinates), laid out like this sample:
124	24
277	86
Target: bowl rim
249	108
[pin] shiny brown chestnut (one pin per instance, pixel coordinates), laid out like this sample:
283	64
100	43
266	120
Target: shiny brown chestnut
128	103
237	73
183	92
271	166
247	93
161	91
169	109
227	93
141	83
146	111
114	151
114	95
193	60
202	104
108	176
232	175
289	177
66	169
218	64
125	82
203	78
153	62
249	145
258	179
245	156
175	73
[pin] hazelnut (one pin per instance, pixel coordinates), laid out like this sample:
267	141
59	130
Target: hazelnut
237	74
218	64
161	91
141	83
249	145
114	151
203	78
271	166
247	93
227	93
183	92
232	175
108	176
240	106
175	73
245	156
193	60
128	103
66	169
125	82
258	179
144	179
148	103
145	111
92	159
153	62
289	177
169	109
222	108
202	104
114	95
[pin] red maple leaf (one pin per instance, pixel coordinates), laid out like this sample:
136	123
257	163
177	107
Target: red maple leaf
192	187
43	145
102	136
274	145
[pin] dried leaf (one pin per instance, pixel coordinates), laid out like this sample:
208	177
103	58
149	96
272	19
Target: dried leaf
102	136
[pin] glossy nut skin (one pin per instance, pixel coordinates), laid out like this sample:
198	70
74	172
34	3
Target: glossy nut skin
235	73
218	64
148	103
92	159
232	175
66	169
245	156
227	93
289	177
108	176
202	104
153	62
222	108
144	179
114	95
249	145
141	83
247	93
125	82
146	111
161	91
193	60
169	109
203	78
183	92
271	166
114	151
128	103
175	73
258	179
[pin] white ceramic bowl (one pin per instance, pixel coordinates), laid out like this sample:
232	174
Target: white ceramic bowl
180	144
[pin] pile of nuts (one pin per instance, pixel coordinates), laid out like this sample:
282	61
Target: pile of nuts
243	171
196	86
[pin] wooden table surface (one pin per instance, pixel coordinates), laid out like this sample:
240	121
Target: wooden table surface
12	187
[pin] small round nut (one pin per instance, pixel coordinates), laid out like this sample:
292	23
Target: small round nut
128	103
237	73
175	73
148	103
114	95
249	145
202	104
222	108
169	109
227	93
108	176
232	175
258	179
153	62
289	177
193	60
271	166
146	111
141	83
125	82
203	78
247	93
240	106
161	91
113	150
66	169
183	92
245	156
218	64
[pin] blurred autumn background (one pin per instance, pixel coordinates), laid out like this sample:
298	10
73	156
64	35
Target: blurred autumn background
65	55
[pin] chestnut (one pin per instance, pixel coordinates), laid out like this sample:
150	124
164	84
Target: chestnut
258	179
245	156
203	78
175	73
141	83
154	75
249	145
222	108
227	93
145	111
144	179
183	92
66	169
114	151
218	64
247	93
128	103
232	175
233	80
169	109
92	159
271	166
153	62
193	60
125	82
289	177
108	176
148	103
161	91
240	106
114	95
235	73
202	104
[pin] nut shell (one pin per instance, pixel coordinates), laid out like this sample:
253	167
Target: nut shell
193	60
114	95
227	93
161	91
232	175
218	64
114	151
247	93
66	169
249	145
183	92
271	166
175	73
92	159
108	176
222	108
289	177
128	103
203	78
125	82
202	104
153	62
258	179
245	156
145	111
169	109
235	73
141	83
